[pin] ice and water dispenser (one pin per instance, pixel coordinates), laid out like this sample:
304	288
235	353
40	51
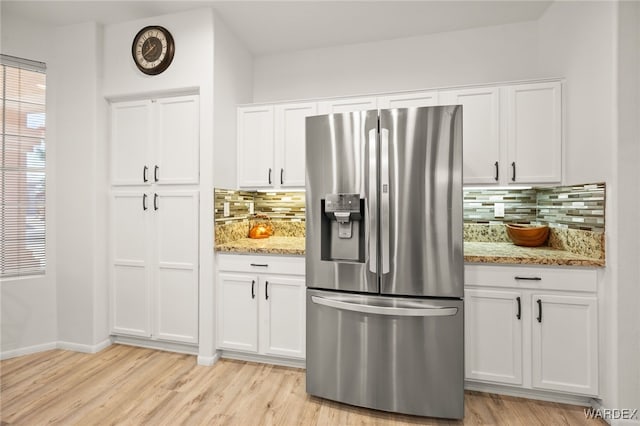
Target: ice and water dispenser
343	230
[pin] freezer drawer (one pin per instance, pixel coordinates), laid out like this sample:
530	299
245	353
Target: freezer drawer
394	354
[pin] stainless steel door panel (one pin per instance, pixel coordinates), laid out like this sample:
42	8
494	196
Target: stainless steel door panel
423	233
339	159
404	362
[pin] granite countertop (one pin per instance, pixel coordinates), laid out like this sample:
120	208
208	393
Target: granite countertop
272	245
489	252
474	252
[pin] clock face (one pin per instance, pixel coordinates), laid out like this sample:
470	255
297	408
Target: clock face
153	49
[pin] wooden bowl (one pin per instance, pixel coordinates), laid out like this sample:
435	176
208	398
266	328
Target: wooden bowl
528	235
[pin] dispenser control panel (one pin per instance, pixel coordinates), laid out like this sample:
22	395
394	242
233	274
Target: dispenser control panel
342	203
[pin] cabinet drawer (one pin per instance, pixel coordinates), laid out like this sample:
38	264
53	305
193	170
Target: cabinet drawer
531	277
261	264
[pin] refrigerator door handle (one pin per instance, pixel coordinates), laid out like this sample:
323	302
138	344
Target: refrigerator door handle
411	310
373	203
384	199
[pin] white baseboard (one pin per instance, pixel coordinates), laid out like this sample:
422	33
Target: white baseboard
156	344
69	346
208	361
28	350
87	349
264	359
585	401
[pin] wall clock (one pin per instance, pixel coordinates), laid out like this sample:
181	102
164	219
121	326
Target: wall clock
153	49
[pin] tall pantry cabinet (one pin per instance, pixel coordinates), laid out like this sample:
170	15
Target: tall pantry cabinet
154	211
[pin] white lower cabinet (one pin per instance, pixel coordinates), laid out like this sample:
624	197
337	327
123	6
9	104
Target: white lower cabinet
534	328
261	305
154	265
493	343
565	343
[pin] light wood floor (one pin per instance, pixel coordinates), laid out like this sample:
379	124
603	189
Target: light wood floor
128	385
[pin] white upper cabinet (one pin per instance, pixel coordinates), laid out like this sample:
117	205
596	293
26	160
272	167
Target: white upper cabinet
256	147
409	100
338	106
534	132
290	121
271	145
512	134
155	141
480	132
178	140
131	135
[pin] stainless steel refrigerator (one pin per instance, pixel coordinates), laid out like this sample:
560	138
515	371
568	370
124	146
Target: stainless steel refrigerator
384	260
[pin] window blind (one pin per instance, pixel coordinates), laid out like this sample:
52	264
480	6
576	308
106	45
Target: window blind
22	167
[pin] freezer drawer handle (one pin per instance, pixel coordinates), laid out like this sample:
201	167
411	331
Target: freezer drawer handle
433	311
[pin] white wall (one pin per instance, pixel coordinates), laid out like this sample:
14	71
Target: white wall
28	320
481	55
190	72
233	85
628	159
80	190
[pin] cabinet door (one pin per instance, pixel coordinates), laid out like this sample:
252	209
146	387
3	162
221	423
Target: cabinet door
177	130
534	119
409	100
176	272
130	143
238	312
480	132
493	336
565	343
290	136
130	271
256	147
282	307
347	105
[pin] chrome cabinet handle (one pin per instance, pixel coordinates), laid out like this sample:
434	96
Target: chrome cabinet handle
145	169
497	171
519	314
155	201
155	173
144	201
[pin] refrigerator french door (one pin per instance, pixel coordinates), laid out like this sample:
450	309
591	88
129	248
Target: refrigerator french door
384	259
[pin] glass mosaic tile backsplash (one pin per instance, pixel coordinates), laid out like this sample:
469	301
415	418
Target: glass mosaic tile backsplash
284	206
573	207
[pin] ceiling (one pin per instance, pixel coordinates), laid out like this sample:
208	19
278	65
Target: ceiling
269	27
